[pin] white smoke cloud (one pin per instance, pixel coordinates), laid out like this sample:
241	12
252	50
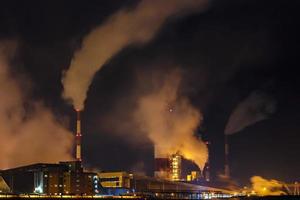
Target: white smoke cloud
156	110
26	137
169	120
256	107
128	26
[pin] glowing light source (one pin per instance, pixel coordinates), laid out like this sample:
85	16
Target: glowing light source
38	189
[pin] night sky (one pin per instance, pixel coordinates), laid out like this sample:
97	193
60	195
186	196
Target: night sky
227	52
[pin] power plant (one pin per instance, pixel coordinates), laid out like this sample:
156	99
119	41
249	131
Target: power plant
63	178
168	168
68	178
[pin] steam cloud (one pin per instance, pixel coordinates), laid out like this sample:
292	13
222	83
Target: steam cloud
265	187
256	107
126	27
26	137
169	120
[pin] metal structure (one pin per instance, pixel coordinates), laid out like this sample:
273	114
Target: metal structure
175	167
4	188
292	188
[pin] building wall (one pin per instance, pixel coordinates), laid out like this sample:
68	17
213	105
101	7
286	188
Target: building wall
175	167
55	183
114	179
19	182
52	179
168	168
4	188
67	182
162	168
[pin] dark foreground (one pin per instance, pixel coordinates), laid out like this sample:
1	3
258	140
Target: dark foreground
268	198
146	198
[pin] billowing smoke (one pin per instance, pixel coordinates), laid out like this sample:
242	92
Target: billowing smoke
27	135
169	120
256	107
126	27
263	187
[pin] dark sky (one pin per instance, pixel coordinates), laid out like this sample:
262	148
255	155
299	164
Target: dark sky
232	49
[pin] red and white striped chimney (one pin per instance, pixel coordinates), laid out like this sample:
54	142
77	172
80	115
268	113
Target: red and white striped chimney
78	136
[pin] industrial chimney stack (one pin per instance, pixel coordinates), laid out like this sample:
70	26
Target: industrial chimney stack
78	136
226	170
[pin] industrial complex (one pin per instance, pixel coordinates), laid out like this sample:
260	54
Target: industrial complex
68	178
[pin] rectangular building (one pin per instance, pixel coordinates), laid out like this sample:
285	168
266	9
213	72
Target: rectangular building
51	179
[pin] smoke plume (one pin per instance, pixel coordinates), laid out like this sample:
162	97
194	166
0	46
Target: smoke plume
126	27
256	107
263	187
27	135
169	120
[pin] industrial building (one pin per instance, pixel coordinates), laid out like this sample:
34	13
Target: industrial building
3	186
175	167
63	178
51	179
168	168
122	183
115	183
69	178
171	168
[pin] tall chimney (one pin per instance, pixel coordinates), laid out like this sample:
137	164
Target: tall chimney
78	136
226	170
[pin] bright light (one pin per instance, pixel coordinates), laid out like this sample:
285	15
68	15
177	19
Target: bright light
38	189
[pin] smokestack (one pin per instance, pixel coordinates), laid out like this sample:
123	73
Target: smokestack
206	170
226	167
78	136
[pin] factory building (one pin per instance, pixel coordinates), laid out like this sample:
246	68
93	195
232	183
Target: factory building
171	168
162	168
168	168
115	183
175	167
51	179
193	176
122	183
3	186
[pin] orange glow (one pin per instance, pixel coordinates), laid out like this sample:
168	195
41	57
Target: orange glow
172	132
263	187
